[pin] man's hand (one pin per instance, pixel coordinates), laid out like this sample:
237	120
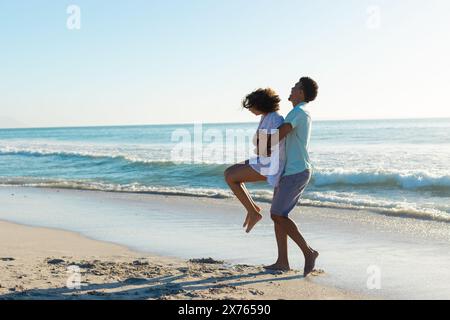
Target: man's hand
263	155
264	149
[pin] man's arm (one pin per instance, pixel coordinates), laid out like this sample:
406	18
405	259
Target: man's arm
273	140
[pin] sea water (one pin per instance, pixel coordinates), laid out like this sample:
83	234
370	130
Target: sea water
393	167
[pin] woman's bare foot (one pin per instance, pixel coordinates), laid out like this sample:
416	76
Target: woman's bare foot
278	267
247	219
310	263
254	218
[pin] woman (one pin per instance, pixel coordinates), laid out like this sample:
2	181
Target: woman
264	103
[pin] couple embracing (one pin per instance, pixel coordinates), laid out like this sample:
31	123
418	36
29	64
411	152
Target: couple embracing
283	161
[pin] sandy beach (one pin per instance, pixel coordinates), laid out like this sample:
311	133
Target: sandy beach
35	263
145	246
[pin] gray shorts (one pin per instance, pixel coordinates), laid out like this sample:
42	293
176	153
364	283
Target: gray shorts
288	192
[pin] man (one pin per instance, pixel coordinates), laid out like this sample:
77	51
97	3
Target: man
297	130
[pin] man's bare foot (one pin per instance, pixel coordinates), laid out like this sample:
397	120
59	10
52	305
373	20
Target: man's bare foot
310	263
278	267
247	219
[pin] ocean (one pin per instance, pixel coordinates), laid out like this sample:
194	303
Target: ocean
392	167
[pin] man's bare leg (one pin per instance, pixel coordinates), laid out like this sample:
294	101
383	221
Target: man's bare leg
292	231
235	177
282	263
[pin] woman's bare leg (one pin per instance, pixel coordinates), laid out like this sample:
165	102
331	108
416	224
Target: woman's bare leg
254	205
235	176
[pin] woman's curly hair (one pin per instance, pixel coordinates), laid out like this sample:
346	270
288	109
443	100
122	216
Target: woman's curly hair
264	100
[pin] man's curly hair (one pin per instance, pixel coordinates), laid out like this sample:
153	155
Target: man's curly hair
264	100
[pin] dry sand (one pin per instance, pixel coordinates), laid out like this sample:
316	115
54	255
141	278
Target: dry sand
36	263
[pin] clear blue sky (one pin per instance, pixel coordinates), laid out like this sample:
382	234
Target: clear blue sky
139	62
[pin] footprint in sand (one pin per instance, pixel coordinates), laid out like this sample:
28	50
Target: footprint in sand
8	259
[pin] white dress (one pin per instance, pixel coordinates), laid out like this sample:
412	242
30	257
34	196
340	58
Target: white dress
271	167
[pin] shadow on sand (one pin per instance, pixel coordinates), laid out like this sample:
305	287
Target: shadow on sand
155	288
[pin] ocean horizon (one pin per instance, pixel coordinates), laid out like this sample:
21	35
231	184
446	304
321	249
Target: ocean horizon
206	123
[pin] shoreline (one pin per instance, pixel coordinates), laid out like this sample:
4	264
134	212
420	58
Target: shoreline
407	213
316	199
34	264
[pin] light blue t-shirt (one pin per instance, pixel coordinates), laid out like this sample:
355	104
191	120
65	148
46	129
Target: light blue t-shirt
297	142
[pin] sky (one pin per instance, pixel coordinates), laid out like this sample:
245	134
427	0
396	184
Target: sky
192	61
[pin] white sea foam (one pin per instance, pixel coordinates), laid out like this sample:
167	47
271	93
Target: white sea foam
322	177
405	179
316	199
